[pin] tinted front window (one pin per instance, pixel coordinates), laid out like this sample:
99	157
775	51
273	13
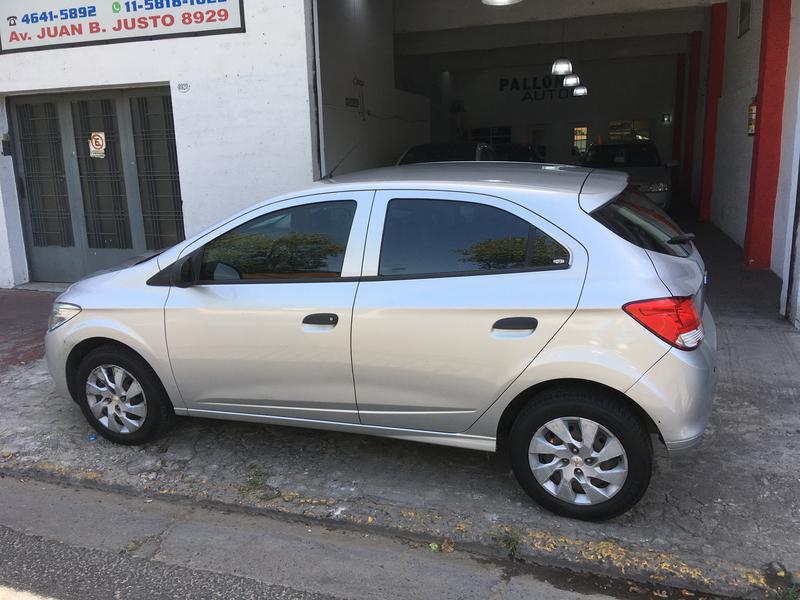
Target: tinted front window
622	155
635	218
424	237
302	242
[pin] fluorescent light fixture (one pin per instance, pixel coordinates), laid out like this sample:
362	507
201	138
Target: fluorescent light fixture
562	66
572	80
500	2
581	90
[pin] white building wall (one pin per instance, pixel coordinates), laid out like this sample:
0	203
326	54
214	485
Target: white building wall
356	42
734	147
13	266
243	126
785	227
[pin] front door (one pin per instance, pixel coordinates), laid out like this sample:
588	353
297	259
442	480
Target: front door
266	329
85	207
460	293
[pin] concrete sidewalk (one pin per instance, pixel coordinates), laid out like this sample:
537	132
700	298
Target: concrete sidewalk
725	520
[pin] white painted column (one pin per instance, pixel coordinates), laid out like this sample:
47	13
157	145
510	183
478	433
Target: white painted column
784	226
13	264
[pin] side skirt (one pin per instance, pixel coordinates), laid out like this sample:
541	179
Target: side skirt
458	440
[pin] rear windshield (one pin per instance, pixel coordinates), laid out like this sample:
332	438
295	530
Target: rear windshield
634	217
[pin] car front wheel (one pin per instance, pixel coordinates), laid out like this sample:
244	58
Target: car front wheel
121	396
581	453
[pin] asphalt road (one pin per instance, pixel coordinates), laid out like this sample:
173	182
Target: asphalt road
69	543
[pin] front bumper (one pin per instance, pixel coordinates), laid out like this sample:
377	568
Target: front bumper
57	349
677	392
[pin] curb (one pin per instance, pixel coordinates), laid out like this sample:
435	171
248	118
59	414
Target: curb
607	558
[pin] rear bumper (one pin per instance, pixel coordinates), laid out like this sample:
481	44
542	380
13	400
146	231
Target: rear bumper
677	392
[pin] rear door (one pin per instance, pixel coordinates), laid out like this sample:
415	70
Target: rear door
459	293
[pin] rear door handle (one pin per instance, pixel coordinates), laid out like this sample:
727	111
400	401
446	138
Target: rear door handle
329	319
517	324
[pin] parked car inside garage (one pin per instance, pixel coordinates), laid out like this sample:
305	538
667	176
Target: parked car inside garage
516	153
455	151
641	161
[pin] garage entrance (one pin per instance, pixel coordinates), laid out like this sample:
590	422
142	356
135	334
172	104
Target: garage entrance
397	74
97	177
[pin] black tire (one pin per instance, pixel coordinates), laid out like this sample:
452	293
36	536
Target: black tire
160	413
610	412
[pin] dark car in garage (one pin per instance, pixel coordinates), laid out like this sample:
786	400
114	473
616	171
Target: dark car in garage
641	161
447	152
516	153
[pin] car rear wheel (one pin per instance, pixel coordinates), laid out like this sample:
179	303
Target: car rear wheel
121	396
581	453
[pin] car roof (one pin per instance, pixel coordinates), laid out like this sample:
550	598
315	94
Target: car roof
532	176
593	187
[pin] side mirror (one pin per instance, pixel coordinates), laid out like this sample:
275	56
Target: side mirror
184	275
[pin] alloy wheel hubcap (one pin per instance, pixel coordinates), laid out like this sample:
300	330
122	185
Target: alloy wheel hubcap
578	460
116	399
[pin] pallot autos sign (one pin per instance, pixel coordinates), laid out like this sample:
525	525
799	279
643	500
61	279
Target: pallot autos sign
42	24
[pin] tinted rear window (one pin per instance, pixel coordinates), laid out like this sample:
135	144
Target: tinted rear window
447	237
634	217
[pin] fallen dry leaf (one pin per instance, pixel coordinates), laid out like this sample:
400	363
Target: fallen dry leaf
448	546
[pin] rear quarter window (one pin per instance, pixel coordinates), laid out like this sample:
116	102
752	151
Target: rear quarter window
633	217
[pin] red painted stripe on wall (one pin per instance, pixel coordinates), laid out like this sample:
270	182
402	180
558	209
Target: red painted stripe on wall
716	67
769	126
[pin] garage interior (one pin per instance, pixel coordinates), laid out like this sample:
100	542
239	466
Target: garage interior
394	75
683	74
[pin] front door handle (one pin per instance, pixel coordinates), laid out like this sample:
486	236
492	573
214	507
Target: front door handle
329	319
517	324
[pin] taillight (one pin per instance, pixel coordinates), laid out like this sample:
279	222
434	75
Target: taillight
674	320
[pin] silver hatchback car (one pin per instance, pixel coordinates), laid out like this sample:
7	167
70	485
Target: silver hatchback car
550	310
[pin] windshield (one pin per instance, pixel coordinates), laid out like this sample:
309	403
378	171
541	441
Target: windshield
634	217
439	153
622	155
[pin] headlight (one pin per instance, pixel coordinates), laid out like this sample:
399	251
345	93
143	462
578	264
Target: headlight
61	313
658	187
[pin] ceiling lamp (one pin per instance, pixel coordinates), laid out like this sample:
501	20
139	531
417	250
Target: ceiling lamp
500	2
581	90
572	80
562	66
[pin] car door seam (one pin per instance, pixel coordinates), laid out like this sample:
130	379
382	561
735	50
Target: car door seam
355	298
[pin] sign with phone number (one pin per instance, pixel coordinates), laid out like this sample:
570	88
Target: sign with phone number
47	24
